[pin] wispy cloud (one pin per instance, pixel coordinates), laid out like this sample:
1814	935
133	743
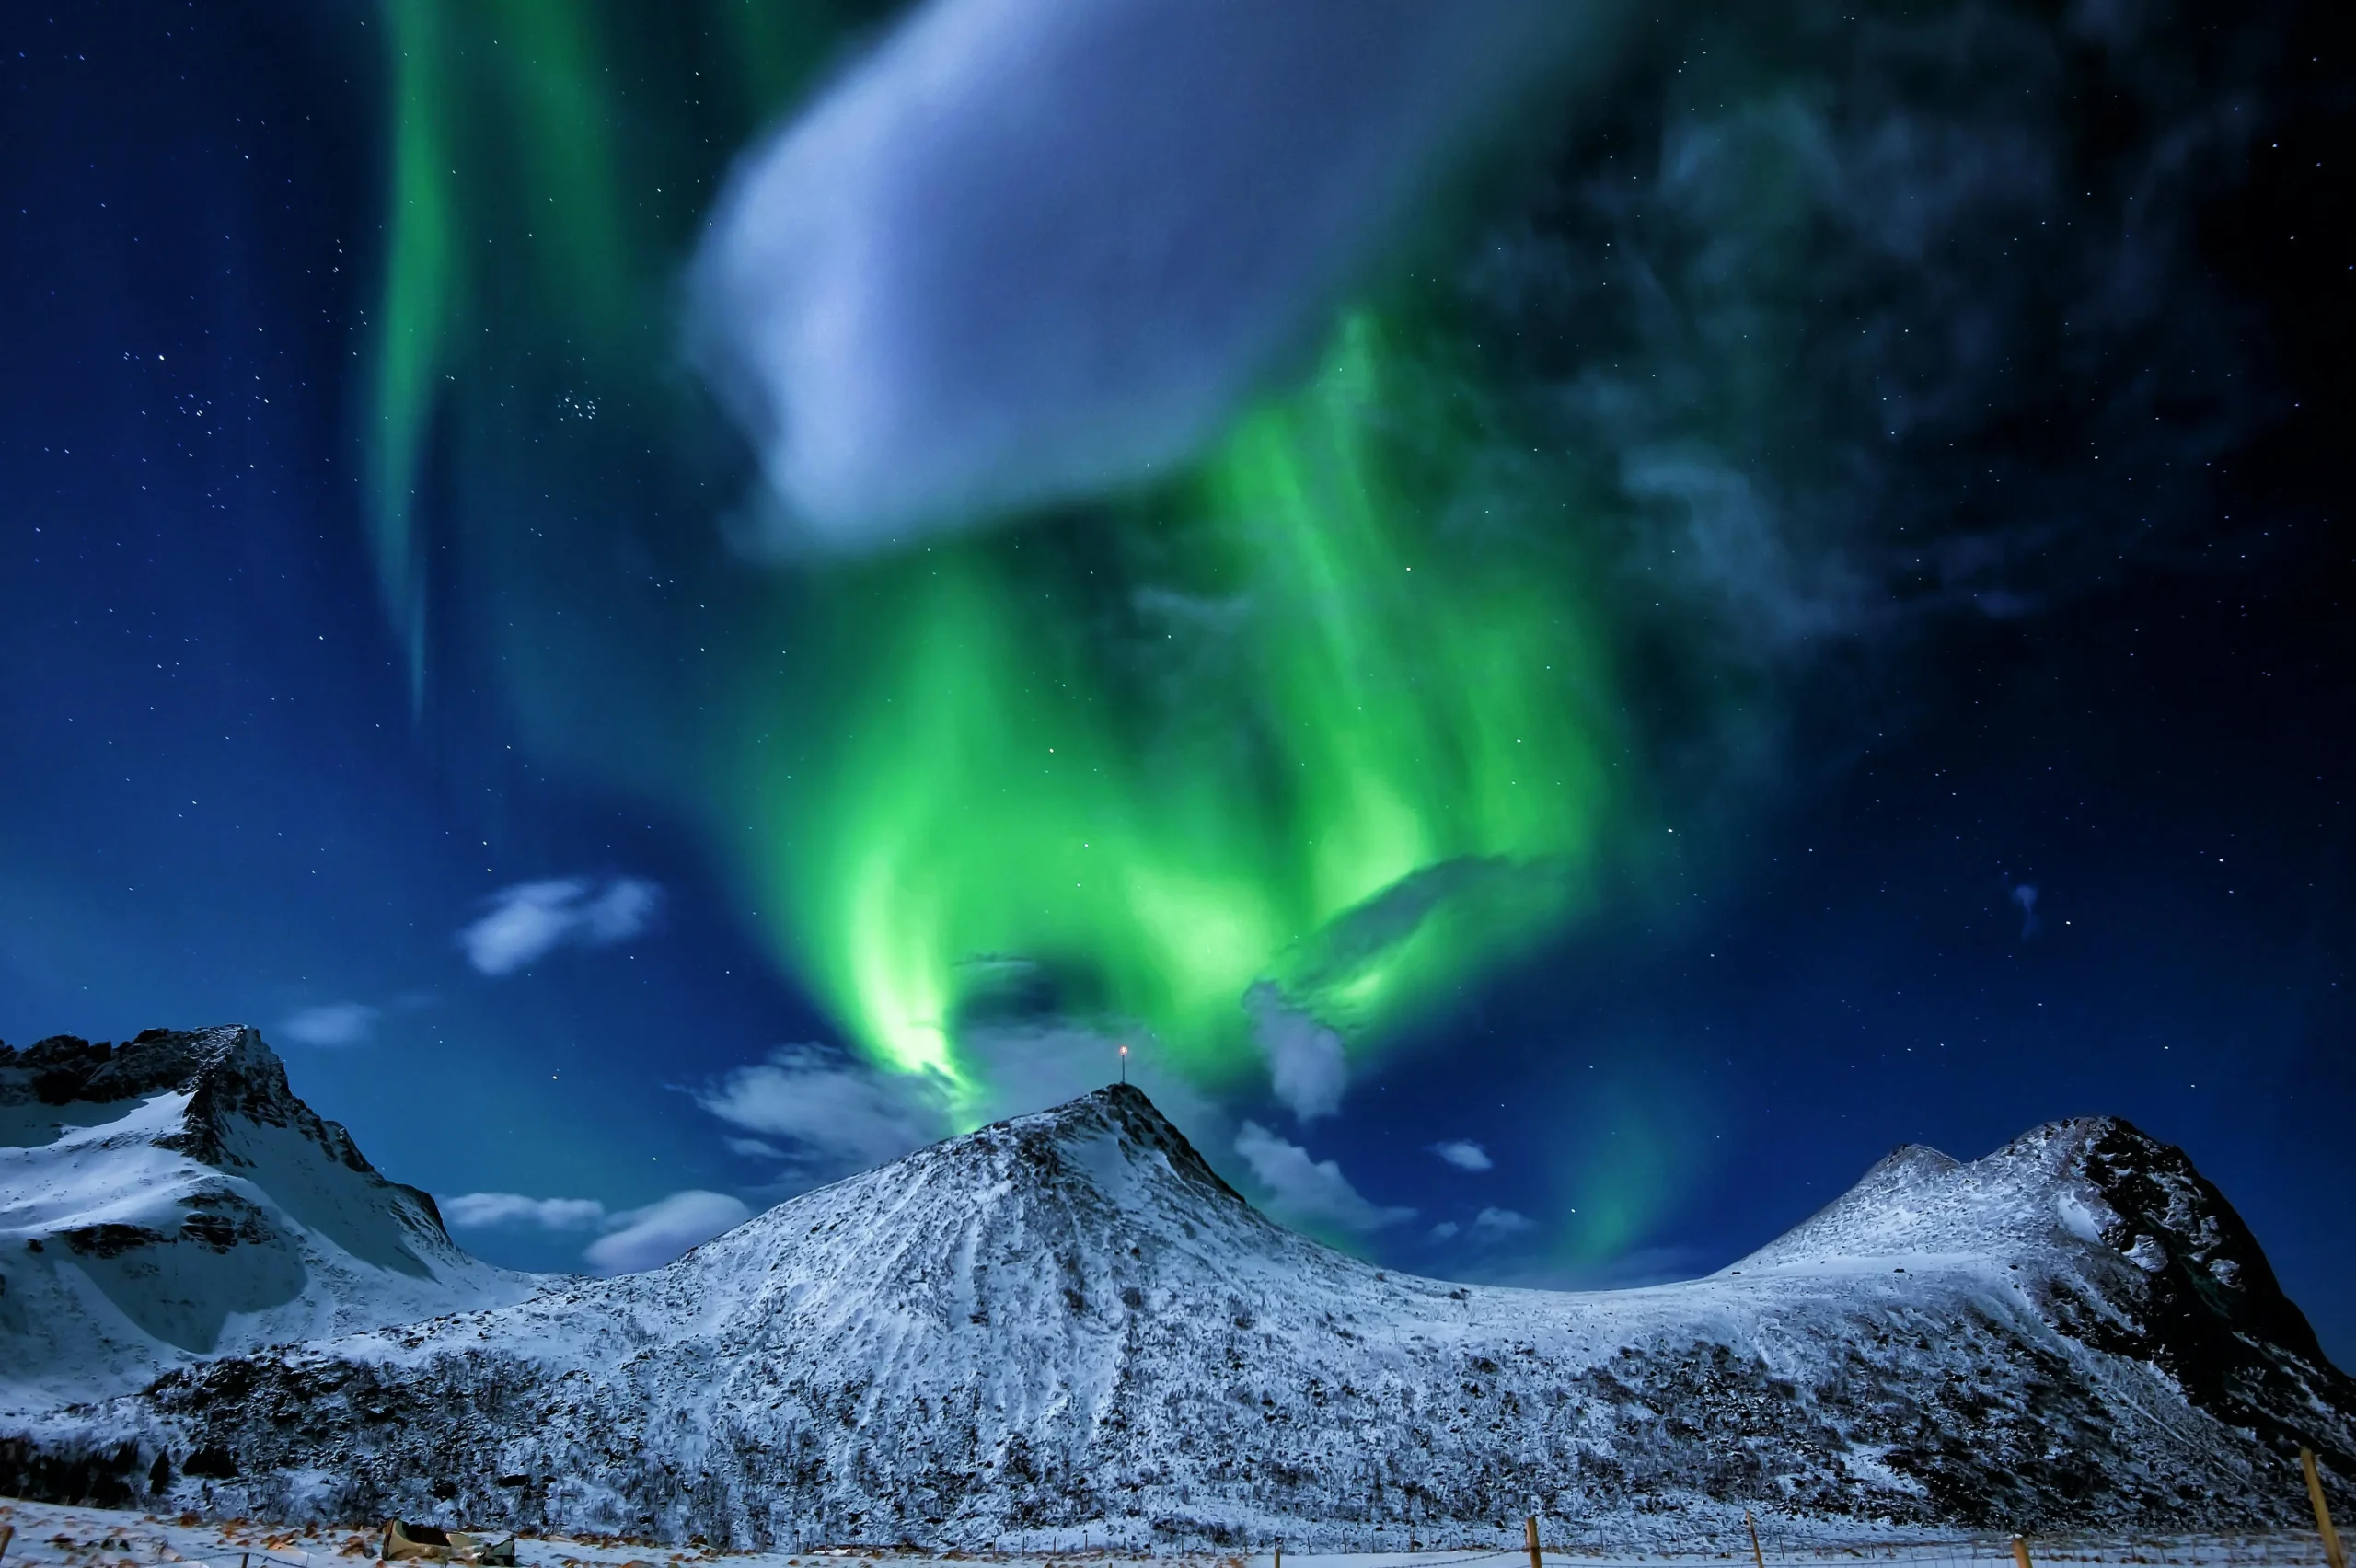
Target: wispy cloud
493	1211
1465	1154
648	1237
529	920
926	310
1309	1192
843	1112
331	1024
634	1239
1308	1066
1492	1224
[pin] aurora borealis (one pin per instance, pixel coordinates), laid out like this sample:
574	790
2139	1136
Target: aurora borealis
1592	691
1239	741
1392	776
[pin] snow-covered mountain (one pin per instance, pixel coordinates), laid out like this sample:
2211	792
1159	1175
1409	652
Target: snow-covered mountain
1068	1318
170	1199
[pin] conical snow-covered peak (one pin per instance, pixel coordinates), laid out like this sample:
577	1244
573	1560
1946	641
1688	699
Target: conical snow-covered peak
1090	1202
1111	1137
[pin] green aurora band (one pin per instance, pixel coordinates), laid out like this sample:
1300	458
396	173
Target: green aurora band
1356	763
1325	726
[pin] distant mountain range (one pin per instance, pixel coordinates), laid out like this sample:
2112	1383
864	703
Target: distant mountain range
1068	1319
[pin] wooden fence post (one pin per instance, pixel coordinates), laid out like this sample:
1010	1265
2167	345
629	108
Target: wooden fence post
2020	1552
1529	1534
1758	1560
2331	1551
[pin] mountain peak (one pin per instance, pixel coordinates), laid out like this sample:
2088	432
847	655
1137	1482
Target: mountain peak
1122	1112
171	1196
232	1080
64	1069
1067	1320
2085	1181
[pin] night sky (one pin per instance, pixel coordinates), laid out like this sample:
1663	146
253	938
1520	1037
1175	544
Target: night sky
1786	595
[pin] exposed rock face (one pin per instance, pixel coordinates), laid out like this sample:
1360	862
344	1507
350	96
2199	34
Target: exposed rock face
1068	1318
2124	1247
170	1198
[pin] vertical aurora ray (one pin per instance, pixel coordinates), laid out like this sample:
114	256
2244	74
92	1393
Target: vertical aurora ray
422	292
546	163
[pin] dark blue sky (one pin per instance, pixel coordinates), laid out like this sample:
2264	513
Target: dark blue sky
221	805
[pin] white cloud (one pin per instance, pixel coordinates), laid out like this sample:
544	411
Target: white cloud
635	1238
529	920
651	1237
1308	1066
625	908
842	1111
1445	1230
927	310
752	1149
1465	1154
485	1211
1309	1192
331	1024
1494	1223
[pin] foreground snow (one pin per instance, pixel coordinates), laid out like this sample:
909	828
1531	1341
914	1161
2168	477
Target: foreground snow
48	1535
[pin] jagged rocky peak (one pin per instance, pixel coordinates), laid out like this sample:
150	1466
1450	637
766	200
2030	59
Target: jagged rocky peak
2122	1245
227	1074
2089	1185
171	1196
66	1069
2169	1220
236	1115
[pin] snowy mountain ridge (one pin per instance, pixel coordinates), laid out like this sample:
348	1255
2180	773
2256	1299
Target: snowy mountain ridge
1068	1320
170	1199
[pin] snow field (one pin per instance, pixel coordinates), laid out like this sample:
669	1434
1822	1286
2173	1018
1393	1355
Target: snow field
50	1536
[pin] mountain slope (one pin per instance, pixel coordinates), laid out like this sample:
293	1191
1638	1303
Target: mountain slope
2127	1248
1068	1318
170	1198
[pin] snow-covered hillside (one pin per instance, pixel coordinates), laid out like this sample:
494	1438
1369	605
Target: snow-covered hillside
170	1198
1068	1319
